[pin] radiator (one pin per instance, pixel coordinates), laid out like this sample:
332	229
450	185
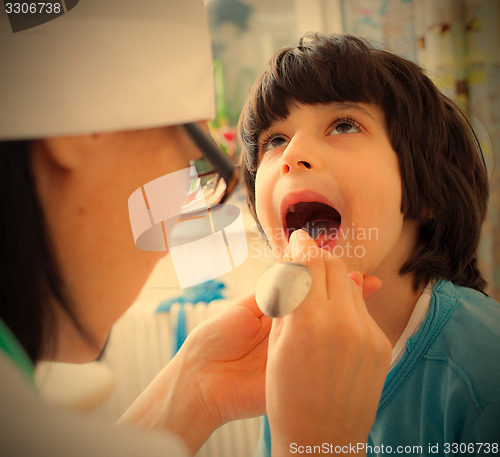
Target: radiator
140	345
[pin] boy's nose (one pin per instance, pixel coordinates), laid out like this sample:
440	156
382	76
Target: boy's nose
295	158
286	168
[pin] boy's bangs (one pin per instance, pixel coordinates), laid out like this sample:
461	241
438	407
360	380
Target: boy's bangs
331	72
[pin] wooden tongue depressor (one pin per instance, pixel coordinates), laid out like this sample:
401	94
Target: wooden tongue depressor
282	288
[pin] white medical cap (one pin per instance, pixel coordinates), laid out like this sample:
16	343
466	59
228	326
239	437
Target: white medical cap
106	65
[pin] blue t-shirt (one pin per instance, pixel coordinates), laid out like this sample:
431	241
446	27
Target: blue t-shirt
443	395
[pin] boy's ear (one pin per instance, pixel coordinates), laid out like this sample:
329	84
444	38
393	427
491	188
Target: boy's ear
64	153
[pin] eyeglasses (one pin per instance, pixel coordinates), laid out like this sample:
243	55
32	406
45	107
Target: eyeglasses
215	179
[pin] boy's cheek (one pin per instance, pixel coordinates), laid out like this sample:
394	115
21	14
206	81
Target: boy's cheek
264	211
273	235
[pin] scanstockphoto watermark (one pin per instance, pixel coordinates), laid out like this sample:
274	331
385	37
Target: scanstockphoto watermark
349	241
354	449
365	448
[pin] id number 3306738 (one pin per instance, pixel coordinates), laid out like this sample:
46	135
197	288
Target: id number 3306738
470	448
33	8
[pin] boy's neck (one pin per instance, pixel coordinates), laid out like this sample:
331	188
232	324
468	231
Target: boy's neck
392	305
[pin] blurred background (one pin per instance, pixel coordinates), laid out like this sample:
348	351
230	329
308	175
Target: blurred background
456	41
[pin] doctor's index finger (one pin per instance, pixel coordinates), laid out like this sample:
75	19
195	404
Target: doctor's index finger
329	272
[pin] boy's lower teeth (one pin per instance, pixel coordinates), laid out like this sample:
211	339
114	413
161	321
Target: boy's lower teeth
320	232
321	241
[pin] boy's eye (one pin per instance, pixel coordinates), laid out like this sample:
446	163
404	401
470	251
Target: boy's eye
275	141
345	126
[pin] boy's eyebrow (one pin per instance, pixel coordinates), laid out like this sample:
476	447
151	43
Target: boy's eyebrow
354	106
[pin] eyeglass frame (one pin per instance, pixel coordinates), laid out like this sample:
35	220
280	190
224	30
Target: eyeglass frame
220	161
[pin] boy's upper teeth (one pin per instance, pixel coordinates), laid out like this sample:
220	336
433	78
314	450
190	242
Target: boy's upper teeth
292	209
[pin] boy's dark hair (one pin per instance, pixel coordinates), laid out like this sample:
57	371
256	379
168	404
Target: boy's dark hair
444	178
31	285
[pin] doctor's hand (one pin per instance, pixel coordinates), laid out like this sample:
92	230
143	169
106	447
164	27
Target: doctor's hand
327	360
217	376
229	352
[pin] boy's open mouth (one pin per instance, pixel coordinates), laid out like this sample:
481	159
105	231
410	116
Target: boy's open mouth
319	220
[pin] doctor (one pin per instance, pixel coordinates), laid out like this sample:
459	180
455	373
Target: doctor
92	108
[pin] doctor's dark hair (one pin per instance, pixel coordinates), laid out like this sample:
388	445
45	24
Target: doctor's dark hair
444	178
31	286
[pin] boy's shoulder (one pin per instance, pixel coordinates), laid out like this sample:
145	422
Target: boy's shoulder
476	314
469	339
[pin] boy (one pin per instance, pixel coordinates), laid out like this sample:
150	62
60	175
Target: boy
358	148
